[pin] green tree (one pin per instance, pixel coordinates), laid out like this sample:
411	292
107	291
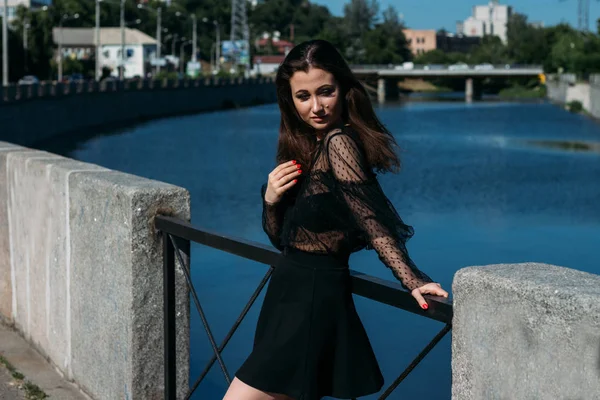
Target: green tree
491	50
334	33
526	44
386	44
360	16
566	51
436	56
309	20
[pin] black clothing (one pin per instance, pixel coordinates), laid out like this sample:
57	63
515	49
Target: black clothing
309	340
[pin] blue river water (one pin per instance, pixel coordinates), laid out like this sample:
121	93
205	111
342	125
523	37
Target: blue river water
482	183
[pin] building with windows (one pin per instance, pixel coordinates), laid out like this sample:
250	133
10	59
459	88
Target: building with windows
78	43
456	43
14	4
422	41
490	19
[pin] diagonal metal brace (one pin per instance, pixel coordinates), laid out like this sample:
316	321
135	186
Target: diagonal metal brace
233	329
211	338
416	361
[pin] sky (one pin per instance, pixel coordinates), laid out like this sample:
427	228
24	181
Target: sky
437	14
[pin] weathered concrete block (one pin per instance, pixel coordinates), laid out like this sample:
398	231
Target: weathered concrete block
525	331
81	271
6	292
116	285
39	230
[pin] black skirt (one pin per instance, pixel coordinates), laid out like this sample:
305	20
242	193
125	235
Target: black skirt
309	340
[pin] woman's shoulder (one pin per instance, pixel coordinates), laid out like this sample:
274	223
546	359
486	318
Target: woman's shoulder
341	135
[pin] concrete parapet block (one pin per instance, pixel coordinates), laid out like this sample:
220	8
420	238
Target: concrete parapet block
81	271
525	331
38	228
116	285
6	282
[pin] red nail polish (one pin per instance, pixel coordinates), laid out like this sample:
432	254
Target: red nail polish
295	180
425	306
298	166
299	171
293	161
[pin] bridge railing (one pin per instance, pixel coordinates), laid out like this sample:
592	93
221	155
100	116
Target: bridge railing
177	235
399	67
14	92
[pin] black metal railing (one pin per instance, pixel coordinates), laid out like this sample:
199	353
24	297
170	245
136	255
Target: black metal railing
177	235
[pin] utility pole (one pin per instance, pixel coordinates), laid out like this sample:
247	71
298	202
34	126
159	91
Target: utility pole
97	41
60	42
181	56
158	37
195	28
218	50
26	26
5	44
122	67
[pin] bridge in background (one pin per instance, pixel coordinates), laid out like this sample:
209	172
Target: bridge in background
387	76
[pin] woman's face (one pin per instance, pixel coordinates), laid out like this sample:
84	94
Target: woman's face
317	98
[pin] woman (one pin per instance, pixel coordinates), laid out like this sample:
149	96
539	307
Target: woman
321	203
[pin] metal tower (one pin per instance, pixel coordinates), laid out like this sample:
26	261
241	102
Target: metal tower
583	15
240	35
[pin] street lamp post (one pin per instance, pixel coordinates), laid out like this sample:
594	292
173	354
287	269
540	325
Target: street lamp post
122	24
159	31
218	45
183	44
97	41
26	26
158	37
98	68
194	44
173	40
5	44
64	18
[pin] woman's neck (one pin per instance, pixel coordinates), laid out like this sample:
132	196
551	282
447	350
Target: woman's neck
324	132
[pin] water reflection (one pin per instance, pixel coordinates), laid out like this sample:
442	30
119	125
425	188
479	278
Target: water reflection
571	146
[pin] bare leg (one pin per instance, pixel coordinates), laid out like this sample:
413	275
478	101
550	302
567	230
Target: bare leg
238	390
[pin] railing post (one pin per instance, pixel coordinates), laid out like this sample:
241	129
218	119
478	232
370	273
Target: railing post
169	318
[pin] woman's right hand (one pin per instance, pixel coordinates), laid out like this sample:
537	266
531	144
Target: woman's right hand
281	179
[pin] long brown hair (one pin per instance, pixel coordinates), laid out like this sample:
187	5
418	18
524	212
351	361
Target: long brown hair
297	140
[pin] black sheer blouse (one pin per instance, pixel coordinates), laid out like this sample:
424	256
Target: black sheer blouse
338	207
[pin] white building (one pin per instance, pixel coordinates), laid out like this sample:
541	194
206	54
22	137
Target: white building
266	65
13	4
487	20
140	48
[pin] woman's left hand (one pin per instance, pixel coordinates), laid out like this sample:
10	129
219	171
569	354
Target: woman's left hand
430	288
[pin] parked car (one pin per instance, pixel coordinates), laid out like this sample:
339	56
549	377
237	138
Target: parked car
484	67
29	80
73	78
458	66
406	65
430	67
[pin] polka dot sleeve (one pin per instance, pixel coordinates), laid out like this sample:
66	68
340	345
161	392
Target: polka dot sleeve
373	214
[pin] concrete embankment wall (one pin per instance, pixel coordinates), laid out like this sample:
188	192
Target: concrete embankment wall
81	271
595	95
563	89
525	331
29	114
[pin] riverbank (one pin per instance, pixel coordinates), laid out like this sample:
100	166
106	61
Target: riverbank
35	113
575	95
